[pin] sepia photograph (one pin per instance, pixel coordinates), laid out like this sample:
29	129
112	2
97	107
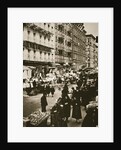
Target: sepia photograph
60	74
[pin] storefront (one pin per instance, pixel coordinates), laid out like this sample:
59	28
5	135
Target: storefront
27	72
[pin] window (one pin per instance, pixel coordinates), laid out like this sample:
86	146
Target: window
60	40
52	56
40	36
74	56
48	55
56	26
34	33
69	44
44	55
68	33
44	23
28	54
48	25
69	54
40	55
28	32
60	52
56	39
61	28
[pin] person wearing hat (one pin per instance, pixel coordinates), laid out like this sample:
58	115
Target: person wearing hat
44	102
91	118
76	111
67	105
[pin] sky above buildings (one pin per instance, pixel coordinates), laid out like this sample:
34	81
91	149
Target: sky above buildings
91	28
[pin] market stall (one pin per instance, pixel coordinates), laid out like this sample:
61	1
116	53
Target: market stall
36	119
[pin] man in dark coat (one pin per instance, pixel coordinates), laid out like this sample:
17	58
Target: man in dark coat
76	111
85	96
67	105
61	116
52	90
48	89
65	88
34	84
44	102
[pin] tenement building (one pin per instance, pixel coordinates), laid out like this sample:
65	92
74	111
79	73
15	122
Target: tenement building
38	45
63	43
70	44
92	51
95	55
78	44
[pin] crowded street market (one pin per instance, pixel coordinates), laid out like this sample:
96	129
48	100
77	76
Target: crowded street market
66	98
60	75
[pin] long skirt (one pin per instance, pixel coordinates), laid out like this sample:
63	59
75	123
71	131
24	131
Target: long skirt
67	110
76	111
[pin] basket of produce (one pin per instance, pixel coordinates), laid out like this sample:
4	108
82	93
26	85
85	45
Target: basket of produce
37	117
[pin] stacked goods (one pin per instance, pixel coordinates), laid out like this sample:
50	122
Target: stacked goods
37	117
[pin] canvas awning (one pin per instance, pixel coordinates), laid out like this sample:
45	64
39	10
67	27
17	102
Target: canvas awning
26	68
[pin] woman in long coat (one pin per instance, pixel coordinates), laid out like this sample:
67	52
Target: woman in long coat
85	96
76	111
66	105
61	116
48	89
44	102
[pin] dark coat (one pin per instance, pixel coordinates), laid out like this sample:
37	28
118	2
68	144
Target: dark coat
91	119
43	103
34	83
73	94
52	90
85	97
48	89
61	116
79	83
65	89
76	112
67	105
92	92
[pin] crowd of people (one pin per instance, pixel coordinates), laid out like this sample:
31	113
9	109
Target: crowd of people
71	101
81	96
37	82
